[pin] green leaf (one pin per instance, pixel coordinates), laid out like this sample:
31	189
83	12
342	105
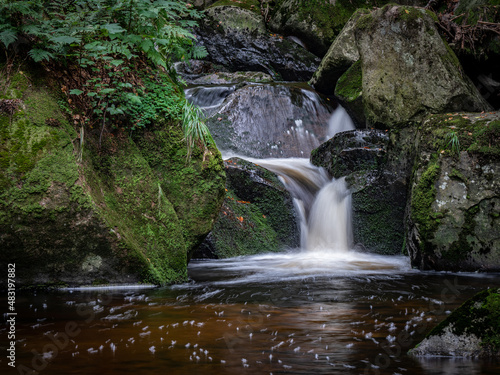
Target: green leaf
76	92
113	28
7	37
107	91
64	39
38	54
146	45
116	62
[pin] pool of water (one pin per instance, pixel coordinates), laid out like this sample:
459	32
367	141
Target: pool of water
290	313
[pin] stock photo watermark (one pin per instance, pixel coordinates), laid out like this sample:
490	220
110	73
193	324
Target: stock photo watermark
56	342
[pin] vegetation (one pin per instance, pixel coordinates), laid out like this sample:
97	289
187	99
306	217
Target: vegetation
97	48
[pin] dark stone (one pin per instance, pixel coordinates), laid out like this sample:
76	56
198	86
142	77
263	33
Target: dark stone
278	120
257	216
248	46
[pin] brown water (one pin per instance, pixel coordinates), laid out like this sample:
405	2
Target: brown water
297	313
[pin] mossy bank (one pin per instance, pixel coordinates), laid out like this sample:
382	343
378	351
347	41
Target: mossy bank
72	213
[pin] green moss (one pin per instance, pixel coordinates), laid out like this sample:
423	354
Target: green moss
373	206
451	58
41	108
129	199
114	206
242	229
349	86
15	86
476	133
201	178
422	197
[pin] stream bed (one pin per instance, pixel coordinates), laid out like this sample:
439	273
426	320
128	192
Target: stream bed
288	313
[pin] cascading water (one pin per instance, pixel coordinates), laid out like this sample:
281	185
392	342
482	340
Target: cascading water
324	205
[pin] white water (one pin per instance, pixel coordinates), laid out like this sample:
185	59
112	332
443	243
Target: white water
339	122
323	204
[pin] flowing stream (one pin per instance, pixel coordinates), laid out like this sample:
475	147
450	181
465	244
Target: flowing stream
322	309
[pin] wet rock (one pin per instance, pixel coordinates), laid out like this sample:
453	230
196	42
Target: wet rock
231	78
454	208
237	39
407	70
257	215
377	170
473	330
271	121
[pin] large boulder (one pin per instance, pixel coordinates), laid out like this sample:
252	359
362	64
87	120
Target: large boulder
73	214
454	207
237	39
377	169
257	215
472	330
406	69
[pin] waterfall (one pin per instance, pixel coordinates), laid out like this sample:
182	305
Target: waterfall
339	122
296	117
324	205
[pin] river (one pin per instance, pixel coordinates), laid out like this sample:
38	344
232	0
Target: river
291	313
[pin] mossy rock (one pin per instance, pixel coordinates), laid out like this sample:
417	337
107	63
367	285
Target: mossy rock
257	215
70	216
472	330
251	5
349	90
194	186
341	55
454	206
407	70
237	17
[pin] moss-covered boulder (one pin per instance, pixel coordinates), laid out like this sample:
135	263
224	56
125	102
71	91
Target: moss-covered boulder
72	214
377	171
407	70
454	207
236	37
257	215
472	330
317	22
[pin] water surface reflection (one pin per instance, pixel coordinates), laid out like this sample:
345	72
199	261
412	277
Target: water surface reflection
289	313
